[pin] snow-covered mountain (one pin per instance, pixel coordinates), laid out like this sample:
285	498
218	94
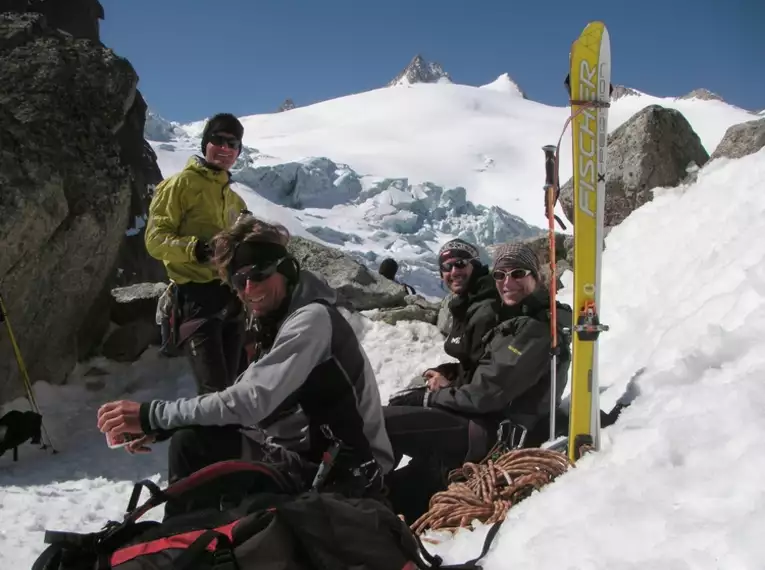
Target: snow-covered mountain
505	84
420	71
396	172
702	94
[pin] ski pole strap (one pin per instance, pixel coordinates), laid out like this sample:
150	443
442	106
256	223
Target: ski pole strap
549	151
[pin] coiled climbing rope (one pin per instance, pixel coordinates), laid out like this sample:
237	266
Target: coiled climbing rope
486	490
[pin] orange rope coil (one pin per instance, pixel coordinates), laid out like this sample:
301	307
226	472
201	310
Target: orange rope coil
486	490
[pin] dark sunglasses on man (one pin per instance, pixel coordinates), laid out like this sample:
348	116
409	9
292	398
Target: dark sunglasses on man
223	140
254	273
447	266
516	274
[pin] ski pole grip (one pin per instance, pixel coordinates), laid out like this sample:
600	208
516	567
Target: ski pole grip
549	164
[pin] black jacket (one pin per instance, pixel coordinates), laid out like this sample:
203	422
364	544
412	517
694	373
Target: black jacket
512	378
474	313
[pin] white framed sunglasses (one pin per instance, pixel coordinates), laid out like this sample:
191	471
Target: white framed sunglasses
516	274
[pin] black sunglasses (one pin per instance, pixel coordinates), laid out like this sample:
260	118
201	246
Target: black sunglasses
253	273
516	274
230	142
447	266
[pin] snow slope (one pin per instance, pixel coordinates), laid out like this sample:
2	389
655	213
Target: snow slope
486	140
678	484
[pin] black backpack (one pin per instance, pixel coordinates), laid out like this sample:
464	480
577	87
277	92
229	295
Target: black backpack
274	529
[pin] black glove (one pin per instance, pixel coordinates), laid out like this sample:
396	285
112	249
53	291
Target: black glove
203	251
411	397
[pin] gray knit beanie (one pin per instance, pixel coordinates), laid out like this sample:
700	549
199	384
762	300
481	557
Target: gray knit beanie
458	248
517	255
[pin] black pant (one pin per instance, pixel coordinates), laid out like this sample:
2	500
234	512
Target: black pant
215	353
437	441
212	342
195	447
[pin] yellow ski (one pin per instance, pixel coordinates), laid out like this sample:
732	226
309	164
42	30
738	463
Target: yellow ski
589	84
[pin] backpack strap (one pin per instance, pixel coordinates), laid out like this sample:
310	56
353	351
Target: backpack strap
204	476
473	563
50	559
487	542
435	562
223	554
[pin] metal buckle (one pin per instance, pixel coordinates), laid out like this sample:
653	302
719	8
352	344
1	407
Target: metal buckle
506	434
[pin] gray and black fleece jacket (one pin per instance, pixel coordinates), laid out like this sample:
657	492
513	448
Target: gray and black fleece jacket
315	373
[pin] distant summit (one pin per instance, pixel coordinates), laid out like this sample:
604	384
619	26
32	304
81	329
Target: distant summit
505	84
623	91
286	106
703	94
421	71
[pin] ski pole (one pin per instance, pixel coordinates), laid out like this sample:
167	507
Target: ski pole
551	195
4	318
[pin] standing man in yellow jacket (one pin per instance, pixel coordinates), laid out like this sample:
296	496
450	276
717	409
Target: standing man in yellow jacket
186	211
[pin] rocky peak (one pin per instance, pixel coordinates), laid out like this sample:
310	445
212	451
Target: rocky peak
80	18
421	71
286	106
703	94
622	91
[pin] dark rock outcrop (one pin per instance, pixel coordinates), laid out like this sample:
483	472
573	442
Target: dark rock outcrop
287	105
133	318
741	140
80	18
135	264
654	148
65	107
417	309
358	287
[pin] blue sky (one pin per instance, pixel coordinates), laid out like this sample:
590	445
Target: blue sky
196	57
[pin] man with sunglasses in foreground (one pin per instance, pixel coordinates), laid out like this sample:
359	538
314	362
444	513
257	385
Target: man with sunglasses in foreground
186	211
309	389
441	427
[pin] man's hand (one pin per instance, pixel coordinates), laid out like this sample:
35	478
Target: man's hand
140	445
435	380
120	417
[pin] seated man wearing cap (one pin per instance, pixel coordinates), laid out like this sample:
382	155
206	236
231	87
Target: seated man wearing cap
473	311
441	427
311	384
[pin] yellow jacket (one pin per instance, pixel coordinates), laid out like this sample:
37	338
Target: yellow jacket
198	202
